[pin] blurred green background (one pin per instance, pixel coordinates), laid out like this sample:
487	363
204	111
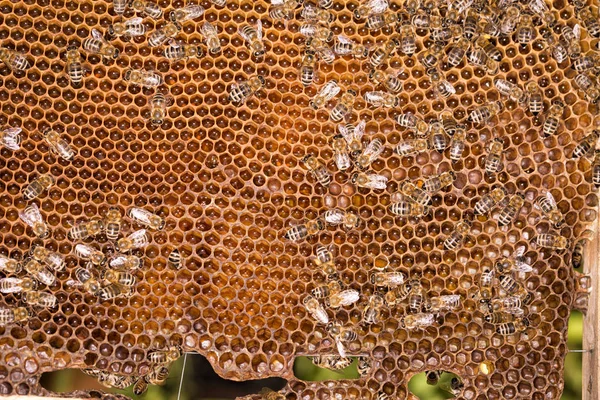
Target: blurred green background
201	382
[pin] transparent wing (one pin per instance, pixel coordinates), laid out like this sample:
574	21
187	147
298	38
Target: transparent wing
359	131
329	91
345	39
208	29
96	34
13	131
243	34
378	6
173	43
375	97
520	251
577	31
277	2
334	216
135	21
342	160
340	347
259	30
550	199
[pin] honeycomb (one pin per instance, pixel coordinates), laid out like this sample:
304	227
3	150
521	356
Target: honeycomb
229	182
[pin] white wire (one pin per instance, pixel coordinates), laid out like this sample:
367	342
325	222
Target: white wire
182	374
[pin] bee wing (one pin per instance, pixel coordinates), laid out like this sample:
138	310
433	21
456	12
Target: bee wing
330	90
520	251
342	160
259	29
349	297
577	31
277	2
208	29
73	283
135	21
340	347
550	199
359	130
345	39
173	43
97	35
378	6
13	131
334	217
374	97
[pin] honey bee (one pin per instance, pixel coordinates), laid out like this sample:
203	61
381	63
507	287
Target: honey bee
509	328
408	209
158	108
333	363
138	77
317	169
370	7
86	252
315	309
483	114
119	277
416	297
74	66
346	46
441	87
131	28
158	375
115	381
430	57
86	280
119	6
32	216
353	135
586	16
411	121
557	48
40	299
376	22
339	217
49	258
471	24
499	317
493	160
86	229
39	272
457	51
307	69
547	205
511	304
323	291
17	285
571	37
372	310
458	236
341	335
490	50
437	182
14	60
162	357
364	366
322	49
535	99
211	38
141	386
381	99
511	286
396	295
253	37
13	315
415	193
324	259
577	257
525	32
112	223
326	4
147	8
240	93
486	282
517	263
344	106
586	145
444	303
342	298
387	279
341	155
57	145
311	13
511	210
457	145
417	321
369	180
553	119
113	291
300	232
146	218
283	9
162	35
408	39
175	260
382	53
588	85
9	266
586	62
508	22
38	186
369	154
438	137
135	240
513	91
11	138
123	262
552	241
98	45
479	58
186	13
182	51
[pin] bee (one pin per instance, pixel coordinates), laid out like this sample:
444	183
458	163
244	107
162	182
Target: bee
369	154
586	16
346	46
253	37
381	99
14	60
508	22
479	58
587	62
98	45
317	169
513	91
37	186
131	27
416	297
315	309
333	363
557	48
457	145
441	87
158	375
307	69
342	298
471	24
577	257
119	6
490	50
141	386
433	377
138	77
300	232
181	51
417	321
486	282
430	57
596	169
376	22
500	317
311	13
12	315
511	210
86	280
511	286
240	93
552	241
493	160
123	262
325	290
283	9
457	51
396	295
381	395
57	145
437	182
326	4
339	217
86	252
571	37
112	223
458	236
588	85
186	13
11	138
17	285
162	357
344	106
32	216
40	299
511	304
135	240
408	39
341	335
147	8
113	291
86	229
408	209
553	119
535	99
525	32
74	66
369	8
49	258
415	193
438	137
9	266
341	155
586	145
162	35
372	310
413	122
369	180
39	272
509	328
484	113
383	52
146	218
547	205
387	279
322	49
174	259
364	366
211	39
444	303
324	259
517	263
115	381
353	135
119	277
